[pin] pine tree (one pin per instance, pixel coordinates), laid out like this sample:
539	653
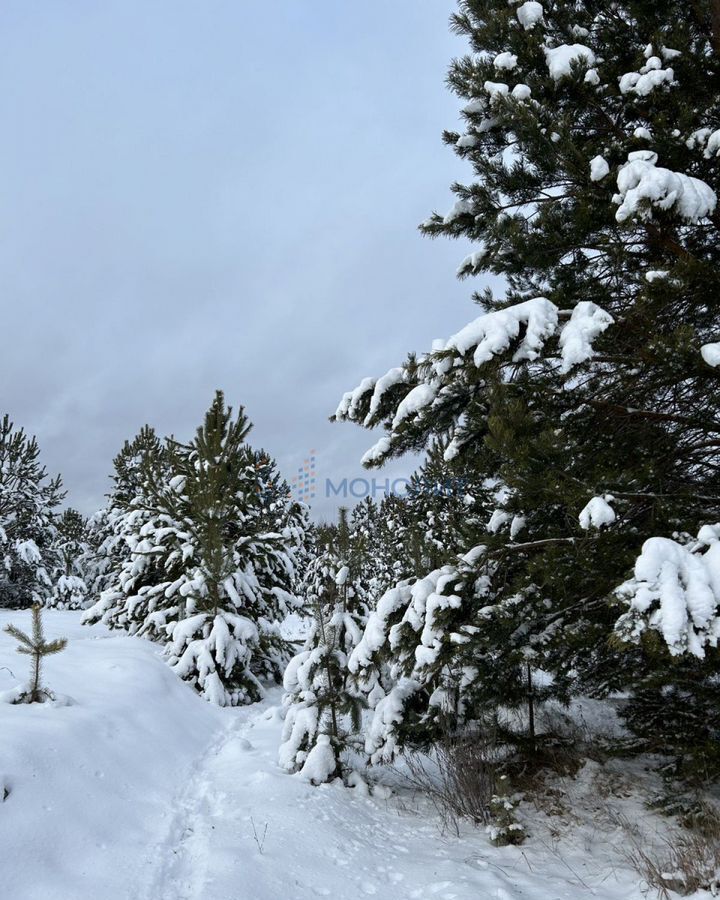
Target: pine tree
449	506
211	534
70	590
124	573
587	390
322	702
228	636
38	648
370	550
28	499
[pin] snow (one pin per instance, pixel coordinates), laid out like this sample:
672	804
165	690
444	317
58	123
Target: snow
376	452
349	401
598	168
418	398
471	263
711	354
560	59
675	591
529	14
320	762
384	383
493	332
89	782
139	790
647	79
713	145
505	61
498	518
642	185
596	513
521	92
587	322
496	89
28	552
460	208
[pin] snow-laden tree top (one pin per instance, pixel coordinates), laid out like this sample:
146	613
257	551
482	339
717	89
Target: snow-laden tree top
592	172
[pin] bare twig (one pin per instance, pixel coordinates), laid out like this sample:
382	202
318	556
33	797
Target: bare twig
260	841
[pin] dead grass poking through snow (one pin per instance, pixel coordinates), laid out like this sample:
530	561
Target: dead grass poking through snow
685	861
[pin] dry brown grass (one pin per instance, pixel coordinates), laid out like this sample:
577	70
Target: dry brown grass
459	778
684	862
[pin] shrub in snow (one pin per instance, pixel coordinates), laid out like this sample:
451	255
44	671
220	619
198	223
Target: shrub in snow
37	648
504	829
459	775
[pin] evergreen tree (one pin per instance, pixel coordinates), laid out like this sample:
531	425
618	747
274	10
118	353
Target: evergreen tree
371	552
587	390
211	534
322	703
122	568
27	502
449	505
70	589
98	559
38	648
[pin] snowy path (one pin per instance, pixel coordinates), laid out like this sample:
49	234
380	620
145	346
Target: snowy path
316	842
183	852
139	790
330	841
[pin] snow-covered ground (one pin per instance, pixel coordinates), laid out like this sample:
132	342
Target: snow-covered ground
139	790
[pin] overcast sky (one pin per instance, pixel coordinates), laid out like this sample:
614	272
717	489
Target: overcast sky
219	193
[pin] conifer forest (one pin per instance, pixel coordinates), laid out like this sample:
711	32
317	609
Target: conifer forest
496	673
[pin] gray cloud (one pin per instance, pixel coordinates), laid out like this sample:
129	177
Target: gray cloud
218	195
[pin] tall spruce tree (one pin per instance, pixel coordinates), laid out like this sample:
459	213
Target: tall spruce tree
588	388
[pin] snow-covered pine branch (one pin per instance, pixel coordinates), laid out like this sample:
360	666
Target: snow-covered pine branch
675	592
443	384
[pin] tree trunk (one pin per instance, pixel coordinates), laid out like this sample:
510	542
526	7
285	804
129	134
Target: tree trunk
531	708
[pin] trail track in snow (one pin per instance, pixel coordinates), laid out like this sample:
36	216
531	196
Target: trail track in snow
241	829
182	856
